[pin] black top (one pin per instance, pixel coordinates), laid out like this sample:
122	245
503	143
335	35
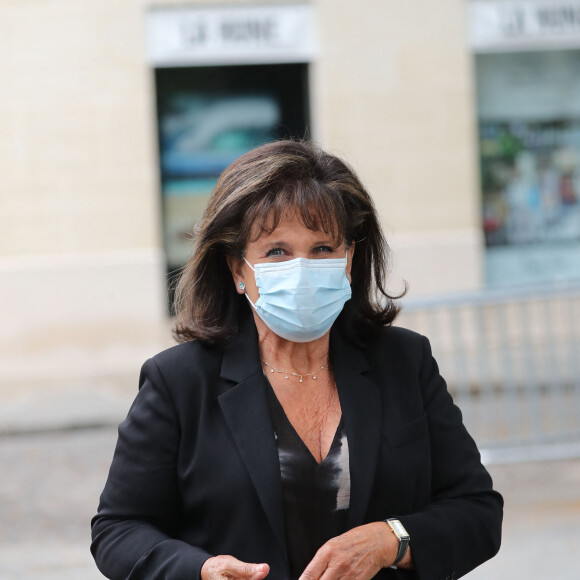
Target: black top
316	495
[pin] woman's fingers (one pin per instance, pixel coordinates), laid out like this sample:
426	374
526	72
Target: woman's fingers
221	567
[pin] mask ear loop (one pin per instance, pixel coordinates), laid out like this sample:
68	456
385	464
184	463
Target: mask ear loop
242	285
245	293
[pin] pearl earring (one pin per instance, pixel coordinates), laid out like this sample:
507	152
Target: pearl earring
242	286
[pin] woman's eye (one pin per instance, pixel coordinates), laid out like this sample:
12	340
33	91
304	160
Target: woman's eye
275	252
322	249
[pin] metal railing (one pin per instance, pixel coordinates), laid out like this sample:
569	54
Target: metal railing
511	359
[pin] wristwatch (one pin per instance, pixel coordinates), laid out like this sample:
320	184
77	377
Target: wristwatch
402	536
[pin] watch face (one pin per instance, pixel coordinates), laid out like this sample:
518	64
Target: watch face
398	528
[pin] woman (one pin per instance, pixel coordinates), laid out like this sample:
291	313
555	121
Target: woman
294	433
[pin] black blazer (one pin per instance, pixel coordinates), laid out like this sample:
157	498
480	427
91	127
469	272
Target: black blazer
196	473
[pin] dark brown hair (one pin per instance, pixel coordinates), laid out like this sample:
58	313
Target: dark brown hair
252	195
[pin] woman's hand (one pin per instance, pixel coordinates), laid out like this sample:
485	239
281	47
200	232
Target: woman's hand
220	567
358	554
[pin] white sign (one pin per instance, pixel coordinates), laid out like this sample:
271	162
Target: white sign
496	25
257	34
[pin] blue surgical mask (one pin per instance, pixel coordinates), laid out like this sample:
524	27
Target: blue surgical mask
300	299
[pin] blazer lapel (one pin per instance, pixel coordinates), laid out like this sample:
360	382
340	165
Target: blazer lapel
360	401
245	408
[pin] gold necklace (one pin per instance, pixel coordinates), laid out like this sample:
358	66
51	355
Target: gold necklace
291	374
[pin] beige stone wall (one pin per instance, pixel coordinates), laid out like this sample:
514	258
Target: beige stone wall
77	157
80	244
393	93
81	272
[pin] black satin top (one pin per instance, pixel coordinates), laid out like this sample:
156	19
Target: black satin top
316	495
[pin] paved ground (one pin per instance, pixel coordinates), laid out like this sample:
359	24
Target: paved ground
541	534
51	481
48	492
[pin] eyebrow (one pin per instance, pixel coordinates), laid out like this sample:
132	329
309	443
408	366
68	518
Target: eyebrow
323	242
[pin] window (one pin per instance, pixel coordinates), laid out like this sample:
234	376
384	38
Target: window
529	139
209	116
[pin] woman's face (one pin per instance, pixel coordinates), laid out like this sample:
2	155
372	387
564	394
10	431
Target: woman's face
290	240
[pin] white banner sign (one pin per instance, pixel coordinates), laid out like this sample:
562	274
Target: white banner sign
496	25
258	34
